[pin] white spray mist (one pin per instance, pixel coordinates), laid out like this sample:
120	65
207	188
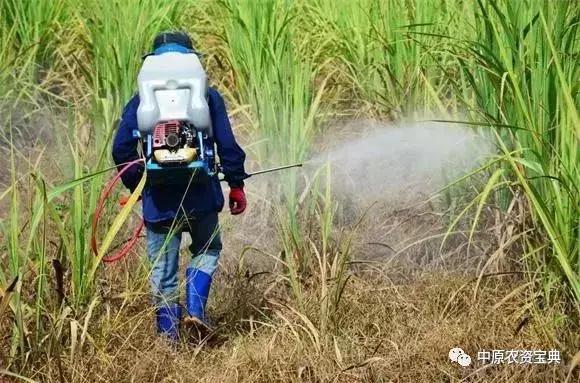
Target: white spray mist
401	162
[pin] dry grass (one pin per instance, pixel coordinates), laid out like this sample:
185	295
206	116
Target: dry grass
387	332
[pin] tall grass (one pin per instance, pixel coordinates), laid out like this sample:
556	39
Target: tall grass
34	26
387	51
272	77
115	36
513	65
523	75
276	80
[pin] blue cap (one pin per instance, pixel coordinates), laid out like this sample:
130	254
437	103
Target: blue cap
172	47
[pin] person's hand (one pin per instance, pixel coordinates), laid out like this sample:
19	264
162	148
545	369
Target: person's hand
237	200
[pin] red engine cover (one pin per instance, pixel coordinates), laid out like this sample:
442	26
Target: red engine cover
162	130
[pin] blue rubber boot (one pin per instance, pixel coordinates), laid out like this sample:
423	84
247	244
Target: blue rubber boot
196	293
168	318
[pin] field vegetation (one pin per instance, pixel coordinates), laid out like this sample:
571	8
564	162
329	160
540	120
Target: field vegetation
312	288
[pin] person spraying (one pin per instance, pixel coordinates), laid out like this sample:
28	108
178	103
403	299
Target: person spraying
177	123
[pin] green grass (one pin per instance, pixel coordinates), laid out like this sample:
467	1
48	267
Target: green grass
276	80
510	66
33	27
388	51
272	77
524	73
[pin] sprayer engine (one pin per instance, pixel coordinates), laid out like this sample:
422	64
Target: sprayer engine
177	152
174	121
174	142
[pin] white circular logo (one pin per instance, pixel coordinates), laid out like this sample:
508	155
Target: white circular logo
454	353
464	360
457	355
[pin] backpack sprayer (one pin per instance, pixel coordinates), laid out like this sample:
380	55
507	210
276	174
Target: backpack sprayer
174	127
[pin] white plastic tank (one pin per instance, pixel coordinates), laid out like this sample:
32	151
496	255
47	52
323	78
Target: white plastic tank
172	86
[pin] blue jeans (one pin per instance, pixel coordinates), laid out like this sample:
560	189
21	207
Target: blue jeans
163	245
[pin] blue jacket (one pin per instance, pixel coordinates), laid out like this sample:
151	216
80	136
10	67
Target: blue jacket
161	202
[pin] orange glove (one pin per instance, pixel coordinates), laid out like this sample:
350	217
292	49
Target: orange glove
125	198
237	200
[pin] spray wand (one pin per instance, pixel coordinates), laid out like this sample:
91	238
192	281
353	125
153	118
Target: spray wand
270	170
